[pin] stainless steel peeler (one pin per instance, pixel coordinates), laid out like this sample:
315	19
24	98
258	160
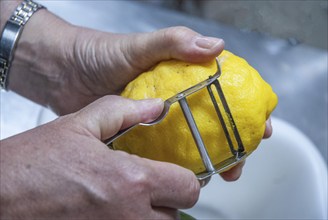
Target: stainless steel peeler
238	153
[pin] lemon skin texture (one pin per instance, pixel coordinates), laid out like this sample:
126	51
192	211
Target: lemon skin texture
250	99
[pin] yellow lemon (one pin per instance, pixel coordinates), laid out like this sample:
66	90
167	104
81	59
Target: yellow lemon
250	99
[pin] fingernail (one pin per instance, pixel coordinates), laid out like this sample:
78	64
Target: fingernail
208	42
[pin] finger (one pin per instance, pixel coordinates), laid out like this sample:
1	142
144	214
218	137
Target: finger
173	186
106	116
234	173
172	43
268	129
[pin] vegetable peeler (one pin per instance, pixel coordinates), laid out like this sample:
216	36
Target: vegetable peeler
237	150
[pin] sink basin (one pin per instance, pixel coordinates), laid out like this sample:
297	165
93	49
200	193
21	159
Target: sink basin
285	178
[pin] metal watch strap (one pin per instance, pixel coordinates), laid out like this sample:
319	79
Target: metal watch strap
11	34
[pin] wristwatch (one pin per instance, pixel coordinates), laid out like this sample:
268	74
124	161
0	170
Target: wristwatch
11	34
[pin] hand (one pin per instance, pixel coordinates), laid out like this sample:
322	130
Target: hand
63	170
64	62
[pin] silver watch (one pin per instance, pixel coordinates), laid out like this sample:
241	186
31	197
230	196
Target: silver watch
11	34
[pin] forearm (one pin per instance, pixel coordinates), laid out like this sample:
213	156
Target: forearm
35	71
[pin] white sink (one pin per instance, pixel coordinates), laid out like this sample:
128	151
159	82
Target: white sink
285	178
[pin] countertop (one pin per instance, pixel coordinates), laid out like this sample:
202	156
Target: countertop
297	73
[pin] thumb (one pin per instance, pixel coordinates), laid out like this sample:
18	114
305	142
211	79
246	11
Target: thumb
170	43
106	116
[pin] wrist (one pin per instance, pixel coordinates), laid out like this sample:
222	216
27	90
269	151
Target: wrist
11	34
35	70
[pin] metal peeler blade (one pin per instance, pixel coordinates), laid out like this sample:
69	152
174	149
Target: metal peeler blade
238	152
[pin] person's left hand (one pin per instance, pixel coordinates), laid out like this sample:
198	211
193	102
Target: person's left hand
84	64
104	63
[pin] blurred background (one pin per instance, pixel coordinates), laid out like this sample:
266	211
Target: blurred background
286	41
299	21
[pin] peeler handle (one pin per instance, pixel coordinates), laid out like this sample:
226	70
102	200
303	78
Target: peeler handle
118	134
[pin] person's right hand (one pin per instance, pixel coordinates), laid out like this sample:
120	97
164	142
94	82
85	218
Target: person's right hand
63	170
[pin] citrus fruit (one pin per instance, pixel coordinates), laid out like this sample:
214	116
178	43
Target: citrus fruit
250	99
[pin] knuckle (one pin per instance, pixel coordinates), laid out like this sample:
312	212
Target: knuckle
178	29
138	178
193	191
175	34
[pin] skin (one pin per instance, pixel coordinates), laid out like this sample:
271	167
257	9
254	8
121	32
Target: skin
62	169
